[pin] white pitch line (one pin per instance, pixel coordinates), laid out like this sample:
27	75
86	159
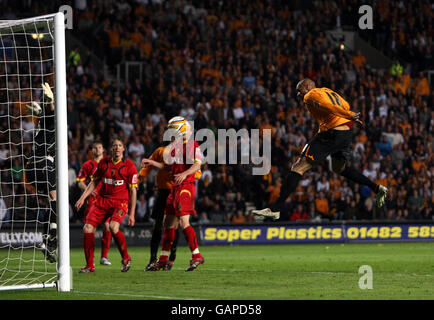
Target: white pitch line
271	271
308	272
132	295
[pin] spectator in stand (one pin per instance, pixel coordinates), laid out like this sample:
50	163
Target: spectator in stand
396	70
384	146
274	191
126	126
421	86
417	164
141	210
216	215
299	214
359	60
239	217
323	185
370	172
240	203
137	147
203	218
415	204
322	205
229	203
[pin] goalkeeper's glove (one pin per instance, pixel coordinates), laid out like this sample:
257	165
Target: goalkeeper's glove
34	108
48	93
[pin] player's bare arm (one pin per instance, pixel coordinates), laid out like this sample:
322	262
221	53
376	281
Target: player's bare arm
133	202
356	118
89	190
180	177
153	163
82	185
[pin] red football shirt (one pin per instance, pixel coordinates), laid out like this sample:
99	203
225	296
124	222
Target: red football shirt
190	154
116	178
86	172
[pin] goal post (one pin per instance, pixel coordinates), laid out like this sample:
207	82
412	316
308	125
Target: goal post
32	53
64	270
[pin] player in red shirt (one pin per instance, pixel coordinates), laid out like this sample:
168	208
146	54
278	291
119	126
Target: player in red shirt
180	202
119	186
83	179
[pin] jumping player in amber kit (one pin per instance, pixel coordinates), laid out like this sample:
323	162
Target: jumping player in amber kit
334	138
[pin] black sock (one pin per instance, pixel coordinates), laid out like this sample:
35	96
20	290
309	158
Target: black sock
356	176
288	186
172	256
52	220
53	213
155	241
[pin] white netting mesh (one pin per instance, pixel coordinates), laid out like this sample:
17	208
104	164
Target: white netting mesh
26	141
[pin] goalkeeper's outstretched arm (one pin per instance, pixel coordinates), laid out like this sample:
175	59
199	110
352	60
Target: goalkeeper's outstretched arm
48	93
34	108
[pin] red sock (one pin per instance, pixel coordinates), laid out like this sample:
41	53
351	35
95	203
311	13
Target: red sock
196	255
168	238
190	236
105	243
89	248
122	244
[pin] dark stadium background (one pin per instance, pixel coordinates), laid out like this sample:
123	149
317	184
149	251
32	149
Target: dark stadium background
132	65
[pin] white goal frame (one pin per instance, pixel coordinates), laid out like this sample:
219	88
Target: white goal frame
64	277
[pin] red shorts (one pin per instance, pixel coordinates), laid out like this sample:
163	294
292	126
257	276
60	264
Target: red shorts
91	201
180	201
107	209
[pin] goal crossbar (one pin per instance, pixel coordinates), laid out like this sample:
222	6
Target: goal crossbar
20	22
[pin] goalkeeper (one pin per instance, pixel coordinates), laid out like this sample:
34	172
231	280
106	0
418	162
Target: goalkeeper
40	169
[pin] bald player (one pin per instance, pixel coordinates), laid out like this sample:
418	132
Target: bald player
334	138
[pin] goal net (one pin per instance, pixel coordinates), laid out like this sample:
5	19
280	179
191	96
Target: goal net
34	206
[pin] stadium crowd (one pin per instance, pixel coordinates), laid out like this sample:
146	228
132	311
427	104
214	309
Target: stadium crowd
233	65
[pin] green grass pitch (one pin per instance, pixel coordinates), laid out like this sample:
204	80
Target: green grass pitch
264	272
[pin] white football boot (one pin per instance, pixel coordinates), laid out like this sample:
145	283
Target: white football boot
267	213
381	196
105	262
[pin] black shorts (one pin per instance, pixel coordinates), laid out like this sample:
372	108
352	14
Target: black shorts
160	204
337	143
41	175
